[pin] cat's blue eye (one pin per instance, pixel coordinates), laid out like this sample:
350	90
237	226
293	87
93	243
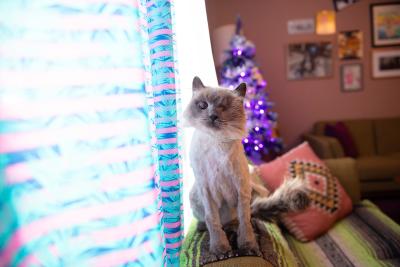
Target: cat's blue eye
202	105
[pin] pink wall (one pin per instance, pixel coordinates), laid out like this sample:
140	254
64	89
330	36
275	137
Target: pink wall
301	103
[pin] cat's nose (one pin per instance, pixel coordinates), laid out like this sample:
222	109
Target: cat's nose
213	117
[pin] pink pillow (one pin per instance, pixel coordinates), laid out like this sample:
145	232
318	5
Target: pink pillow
329	201
342	133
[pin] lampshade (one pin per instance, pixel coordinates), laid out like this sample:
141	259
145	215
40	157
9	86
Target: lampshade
326	22
220	39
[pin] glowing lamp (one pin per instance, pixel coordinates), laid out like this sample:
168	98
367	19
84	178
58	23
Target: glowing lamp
326	22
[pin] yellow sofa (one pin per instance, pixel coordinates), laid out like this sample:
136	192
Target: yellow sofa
378	144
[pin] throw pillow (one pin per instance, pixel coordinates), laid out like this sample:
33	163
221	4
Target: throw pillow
342	133
329	201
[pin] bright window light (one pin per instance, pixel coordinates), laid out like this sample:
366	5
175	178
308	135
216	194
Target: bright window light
194	59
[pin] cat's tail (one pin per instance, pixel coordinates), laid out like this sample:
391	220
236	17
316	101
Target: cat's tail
290	196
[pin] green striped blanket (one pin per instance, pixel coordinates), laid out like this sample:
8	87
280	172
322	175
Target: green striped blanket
366	237
273	248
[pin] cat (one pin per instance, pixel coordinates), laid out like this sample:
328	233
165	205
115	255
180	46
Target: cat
222	191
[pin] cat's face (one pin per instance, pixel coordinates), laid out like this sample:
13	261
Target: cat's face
216	111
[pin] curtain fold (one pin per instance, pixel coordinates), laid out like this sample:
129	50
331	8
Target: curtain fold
158	35
89	144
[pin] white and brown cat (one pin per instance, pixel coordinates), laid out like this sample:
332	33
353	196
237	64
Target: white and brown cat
223	186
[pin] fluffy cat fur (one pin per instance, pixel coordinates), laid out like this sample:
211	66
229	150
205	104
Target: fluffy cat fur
223	187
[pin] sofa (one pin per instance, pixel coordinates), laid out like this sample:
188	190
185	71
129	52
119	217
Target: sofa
366	237
378	145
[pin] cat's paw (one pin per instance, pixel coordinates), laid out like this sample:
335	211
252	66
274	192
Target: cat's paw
248	244
220	247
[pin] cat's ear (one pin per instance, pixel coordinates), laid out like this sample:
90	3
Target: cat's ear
241	90
197	84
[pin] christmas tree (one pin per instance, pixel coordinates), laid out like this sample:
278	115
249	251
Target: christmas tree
263	141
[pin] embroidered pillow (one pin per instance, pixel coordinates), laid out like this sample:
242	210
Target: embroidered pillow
329	201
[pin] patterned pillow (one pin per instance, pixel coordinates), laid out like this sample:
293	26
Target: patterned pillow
329	201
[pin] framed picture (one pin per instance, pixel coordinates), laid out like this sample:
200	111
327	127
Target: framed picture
309	60
351	77
386	63
301	26
385	24
340	4
350	45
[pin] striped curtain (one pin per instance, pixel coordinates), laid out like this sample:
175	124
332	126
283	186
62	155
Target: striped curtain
89	155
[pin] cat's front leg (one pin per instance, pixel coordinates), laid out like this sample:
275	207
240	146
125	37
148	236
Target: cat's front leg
246	238
219	243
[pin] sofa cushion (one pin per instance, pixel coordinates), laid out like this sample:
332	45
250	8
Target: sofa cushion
346	171
361	131
378	167
384	188
319	127
363	135
387	132
394	155
329	201
324	146
343	135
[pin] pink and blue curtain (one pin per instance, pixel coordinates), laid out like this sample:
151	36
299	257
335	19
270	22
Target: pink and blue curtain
89	152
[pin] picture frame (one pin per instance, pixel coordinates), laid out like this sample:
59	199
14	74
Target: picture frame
309	60
350	45
301	26
385	63
341	4
351	77
385	24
